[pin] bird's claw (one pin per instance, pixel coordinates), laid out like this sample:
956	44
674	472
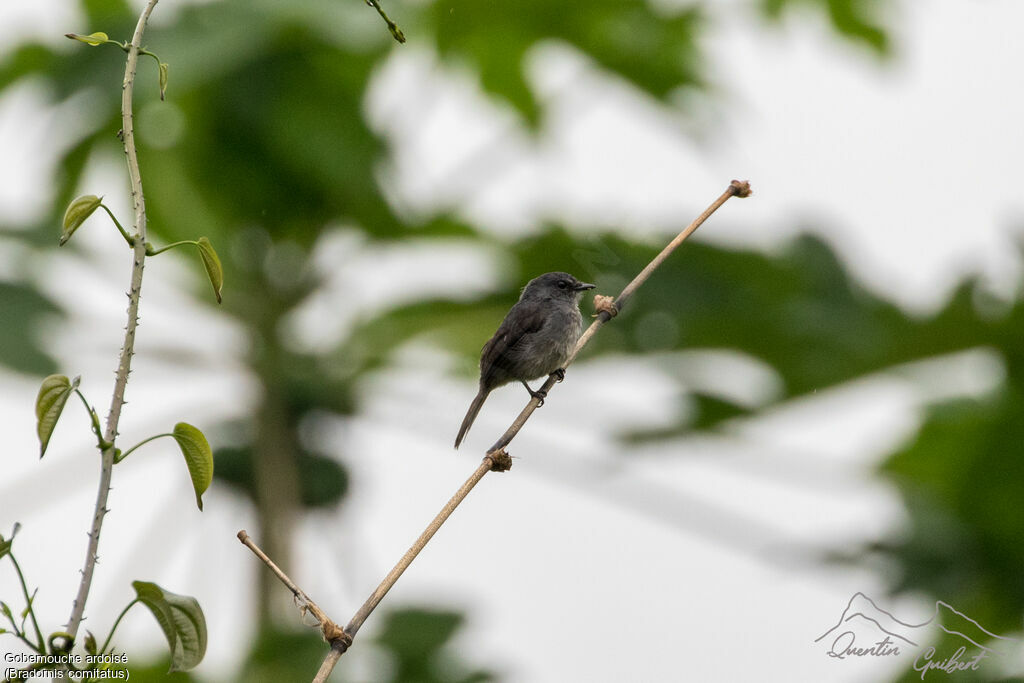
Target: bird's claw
559	374
540	396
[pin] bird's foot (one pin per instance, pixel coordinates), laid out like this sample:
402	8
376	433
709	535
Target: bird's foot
559	374
540	394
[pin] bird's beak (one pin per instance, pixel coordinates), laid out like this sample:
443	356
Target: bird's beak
581	286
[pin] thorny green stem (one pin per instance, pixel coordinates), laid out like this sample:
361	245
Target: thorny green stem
126	46
128	347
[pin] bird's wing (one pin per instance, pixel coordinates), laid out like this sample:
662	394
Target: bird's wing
520	322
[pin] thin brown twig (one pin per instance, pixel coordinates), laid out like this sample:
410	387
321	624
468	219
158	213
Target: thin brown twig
330	630
128	347
496	458
737	188
327	666
498	462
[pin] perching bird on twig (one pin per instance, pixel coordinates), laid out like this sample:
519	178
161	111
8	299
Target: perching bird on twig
534	339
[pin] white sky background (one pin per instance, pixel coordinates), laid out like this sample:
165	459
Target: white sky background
574	566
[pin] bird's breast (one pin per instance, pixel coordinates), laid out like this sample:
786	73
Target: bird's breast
549	349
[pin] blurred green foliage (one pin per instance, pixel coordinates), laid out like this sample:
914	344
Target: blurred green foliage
263	144
856	19
655	50
418	643
413	645
322	482
24	310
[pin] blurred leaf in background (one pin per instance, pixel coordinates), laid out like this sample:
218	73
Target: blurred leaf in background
418	642
25	309
412	645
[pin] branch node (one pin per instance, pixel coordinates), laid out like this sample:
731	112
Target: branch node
741	188
335	634
605	304
500	461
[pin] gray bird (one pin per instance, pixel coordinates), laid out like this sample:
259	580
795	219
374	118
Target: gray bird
534	339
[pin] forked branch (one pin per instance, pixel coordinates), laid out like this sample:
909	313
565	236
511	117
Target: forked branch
496	459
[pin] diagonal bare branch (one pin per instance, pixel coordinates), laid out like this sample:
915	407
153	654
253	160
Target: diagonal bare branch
496	459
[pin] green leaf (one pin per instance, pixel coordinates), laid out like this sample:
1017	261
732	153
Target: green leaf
77	212
90	643
6	610
182	621
5	544
98	38
53	394
198	457
212	264
163	78
28	607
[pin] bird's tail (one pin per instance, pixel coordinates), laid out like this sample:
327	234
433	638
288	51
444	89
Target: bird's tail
474	408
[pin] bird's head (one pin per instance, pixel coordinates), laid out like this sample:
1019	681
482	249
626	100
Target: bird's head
556	286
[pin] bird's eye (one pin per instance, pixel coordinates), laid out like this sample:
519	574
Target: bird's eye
562	284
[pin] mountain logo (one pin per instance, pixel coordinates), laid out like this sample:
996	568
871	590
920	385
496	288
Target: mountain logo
866	630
